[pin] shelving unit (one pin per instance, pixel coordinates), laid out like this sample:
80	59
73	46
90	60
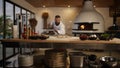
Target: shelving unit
74	44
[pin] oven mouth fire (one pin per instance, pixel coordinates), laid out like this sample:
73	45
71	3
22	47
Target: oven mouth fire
85	26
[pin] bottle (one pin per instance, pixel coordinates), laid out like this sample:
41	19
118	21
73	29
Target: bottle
29	31
25	29
24	35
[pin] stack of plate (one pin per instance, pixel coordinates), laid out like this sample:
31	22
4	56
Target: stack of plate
25	60
55	58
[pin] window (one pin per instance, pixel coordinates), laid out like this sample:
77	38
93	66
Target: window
9	23
32	15
17	13
28	17
1	19
9	19
1	25
24	20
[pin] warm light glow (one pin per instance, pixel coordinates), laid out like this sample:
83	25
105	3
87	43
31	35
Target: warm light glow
69	6
44	6
94	6
82	27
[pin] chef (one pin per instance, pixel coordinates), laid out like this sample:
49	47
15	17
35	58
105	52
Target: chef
57	25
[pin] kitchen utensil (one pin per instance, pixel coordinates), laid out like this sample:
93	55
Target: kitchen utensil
95	65
92	57
92	37
108	61
77	59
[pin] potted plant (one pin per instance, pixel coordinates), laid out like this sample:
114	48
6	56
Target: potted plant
8	29
1	26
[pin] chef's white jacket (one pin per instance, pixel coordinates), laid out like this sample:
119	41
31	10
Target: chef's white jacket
60	28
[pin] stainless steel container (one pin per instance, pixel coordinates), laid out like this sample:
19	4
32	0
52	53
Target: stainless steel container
77	59
109	61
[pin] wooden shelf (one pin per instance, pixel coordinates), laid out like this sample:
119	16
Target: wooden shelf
87	23
113	31
70	42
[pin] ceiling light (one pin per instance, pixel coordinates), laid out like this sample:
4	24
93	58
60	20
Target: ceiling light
43	6
69	6
94	6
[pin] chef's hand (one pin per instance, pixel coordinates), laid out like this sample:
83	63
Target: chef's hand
56	31
50	26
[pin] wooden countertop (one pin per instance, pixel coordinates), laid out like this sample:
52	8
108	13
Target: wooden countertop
68	42
62	40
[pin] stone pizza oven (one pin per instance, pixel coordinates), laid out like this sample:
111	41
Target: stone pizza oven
89	20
